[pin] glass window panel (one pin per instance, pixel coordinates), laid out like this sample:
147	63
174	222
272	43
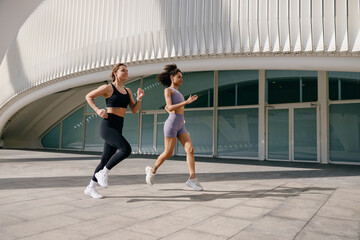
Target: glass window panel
350	89
130	130
201	84
333	88
345	132
349	85
161	118
238	87
52	138
309	90
283	91
238	132
147	134
93	141
284	86
154	94
248	93
227	95
72	130
199	124
100	103
278	134
305	135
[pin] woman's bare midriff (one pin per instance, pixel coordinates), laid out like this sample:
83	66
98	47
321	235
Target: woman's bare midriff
119	111
178	111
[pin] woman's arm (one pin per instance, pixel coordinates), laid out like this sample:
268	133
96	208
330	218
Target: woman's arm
102	90
134	106
170	107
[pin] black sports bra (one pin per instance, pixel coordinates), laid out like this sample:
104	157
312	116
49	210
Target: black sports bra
117	99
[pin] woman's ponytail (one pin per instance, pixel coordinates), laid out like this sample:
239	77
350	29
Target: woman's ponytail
164	77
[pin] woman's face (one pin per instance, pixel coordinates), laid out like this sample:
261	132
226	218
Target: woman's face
122	73
177	79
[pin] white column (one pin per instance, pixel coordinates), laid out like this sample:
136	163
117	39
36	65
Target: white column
215	114
323	99
262	117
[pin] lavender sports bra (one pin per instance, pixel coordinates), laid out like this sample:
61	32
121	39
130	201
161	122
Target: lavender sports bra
177	97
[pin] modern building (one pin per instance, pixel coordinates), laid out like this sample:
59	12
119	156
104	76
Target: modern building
276	79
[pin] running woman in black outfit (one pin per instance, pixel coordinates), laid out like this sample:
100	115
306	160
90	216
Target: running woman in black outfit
116	148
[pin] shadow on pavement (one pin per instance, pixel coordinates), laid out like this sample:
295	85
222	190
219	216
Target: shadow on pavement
81	181
208	195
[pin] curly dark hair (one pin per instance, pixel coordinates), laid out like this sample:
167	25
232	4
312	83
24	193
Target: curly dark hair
164	77
116	67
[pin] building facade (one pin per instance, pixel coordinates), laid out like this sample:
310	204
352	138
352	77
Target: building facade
276	79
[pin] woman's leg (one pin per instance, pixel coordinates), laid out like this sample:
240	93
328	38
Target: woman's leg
108	152
169	149
190	160
114	139
123	148
189	149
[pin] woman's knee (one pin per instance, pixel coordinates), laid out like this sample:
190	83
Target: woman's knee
167	154
128	150
189	149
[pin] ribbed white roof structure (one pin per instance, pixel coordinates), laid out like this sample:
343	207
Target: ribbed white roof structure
64	42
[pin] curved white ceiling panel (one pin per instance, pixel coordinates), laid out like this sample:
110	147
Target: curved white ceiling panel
65	39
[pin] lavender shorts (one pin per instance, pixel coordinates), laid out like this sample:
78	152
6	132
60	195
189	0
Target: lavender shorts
174	125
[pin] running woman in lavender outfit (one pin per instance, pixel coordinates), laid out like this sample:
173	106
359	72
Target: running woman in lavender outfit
174	126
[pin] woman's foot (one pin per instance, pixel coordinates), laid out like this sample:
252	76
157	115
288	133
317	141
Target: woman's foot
102	178
149	175
91	191
194	184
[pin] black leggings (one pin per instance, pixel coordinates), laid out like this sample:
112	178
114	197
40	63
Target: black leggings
116	148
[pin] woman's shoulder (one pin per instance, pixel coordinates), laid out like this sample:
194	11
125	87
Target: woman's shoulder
106	89
169	90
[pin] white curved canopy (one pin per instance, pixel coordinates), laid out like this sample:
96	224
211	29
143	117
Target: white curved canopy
63	43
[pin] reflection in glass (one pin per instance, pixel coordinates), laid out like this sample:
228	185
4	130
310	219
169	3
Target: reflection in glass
278	134
93	141
201	84
155	91
238	132
52	138
305	135
199	124
147	134
238	87
345	132
161	118
130	130
72	130
291	86
344	85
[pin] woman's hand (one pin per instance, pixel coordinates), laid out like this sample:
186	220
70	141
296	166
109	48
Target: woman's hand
140	94
191	99
102	113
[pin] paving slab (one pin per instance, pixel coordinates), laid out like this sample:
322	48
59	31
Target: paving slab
42	197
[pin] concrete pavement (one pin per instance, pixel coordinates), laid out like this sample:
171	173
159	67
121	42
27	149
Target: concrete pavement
42	197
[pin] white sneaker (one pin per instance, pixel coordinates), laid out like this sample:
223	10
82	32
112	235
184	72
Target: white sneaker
149	175
102	178
194	184
91	191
